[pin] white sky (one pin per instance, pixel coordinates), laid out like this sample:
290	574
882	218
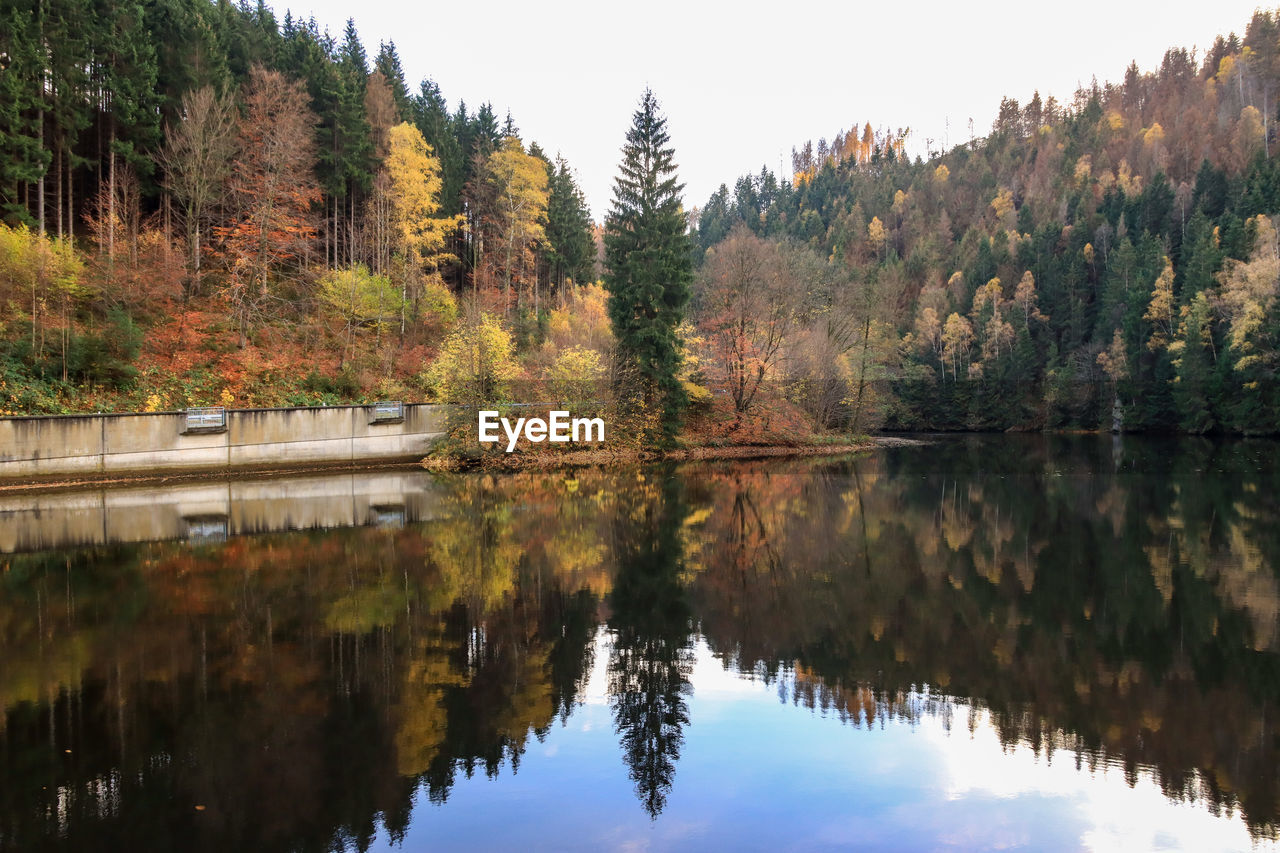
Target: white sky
741	83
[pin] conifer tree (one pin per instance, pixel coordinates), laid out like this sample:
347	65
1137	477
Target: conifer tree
24	159
571	249
247	34
69	59
352	145
188	56
126	70
485	135
388	62
649	263
431	116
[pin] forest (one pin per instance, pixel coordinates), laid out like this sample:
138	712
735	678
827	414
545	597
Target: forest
1107	261
205	204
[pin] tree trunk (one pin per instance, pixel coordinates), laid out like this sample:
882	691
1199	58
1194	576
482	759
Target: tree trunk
57	186
862	373
404	301
71	206
111	205
66	333
507	286
40	180
40	117
193	214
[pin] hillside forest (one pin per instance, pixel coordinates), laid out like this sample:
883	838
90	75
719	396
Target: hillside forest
204	203
1108	261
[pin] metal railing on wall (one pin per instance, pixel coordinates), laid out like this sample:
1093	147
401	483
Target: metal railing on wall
388	411
206	419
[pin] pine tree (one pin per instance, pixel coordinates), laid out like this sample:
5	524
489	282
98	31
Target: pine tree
571	250
24	159
1201	258
126	71
188	56
352	145
649	266
431	116
485	135
388	62
69	59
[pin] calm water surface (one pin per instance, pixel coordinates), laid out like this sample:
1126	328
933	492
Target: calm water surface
986	642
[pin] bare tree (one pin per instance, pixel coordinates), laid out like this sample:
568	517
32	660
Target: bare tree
375	237
750	302
272	193
196	158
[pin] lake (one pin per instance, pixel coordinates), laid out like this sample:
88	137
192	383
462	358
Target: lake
1049	643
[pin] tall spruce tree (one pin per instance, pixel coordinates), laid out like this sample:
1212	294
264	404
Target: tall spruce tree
649	263
571	250
431	116
69	58
388	62
23	159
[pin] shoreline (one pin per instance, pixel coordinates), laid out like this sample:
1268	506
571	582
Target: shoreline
545	461
43	485
447	464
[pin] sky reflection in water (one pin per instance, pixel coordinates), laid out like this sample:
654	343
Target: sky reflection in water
759	770
555	660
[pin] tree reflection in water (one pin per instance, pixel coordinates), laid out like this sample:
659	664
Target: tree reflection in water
652	653
298	691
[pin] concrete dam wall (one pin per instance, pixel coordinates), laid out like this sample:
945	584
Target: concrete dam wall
165	442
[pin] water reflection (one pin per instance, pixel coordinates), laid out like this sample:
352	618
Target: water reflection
652	653
205	511
1113	606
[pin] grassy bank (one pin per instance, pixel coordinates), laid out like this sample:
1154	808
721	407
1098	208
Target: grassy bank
712	430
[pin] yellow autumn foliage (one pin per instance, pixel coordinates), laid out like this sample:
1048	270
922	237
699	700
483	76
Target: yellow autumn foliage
1160	309
876	232
476	364
415	193
1002	204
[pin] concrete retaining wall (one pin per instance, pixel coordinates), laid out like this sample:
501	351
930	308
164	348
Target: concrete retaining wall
80	445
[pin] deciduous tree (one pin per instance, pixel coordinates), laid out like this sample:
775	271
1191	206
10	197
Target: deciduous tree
413	188
272	190
196	159
750	304
517	214
361	300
